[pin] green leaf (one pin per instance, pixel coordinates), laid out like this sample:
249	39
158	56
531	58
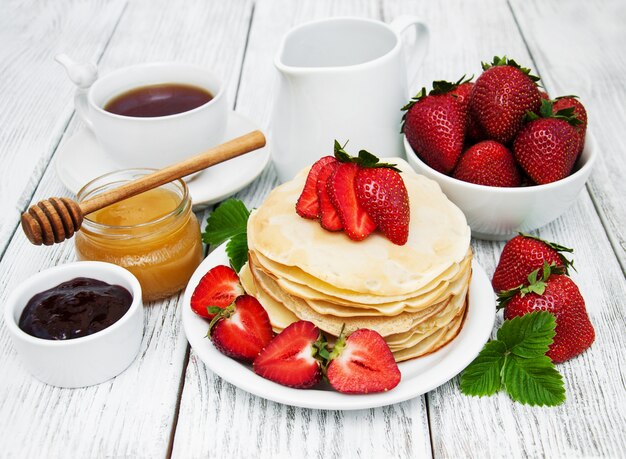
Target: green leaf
237	251
533	381
482	376
228	220
529	335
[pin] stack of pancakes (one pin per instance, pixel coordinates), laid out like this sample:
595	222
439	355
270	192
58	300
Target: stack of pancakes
414	295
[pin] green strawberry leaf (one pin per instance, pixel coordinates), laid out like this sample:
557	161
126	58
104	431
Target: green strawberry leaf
482	376
529	335
533	381
365	158
227	220
516	361
237	251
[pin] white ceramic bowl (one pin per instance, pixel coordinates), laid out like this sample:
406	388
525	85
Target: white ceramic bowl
500	213
81	361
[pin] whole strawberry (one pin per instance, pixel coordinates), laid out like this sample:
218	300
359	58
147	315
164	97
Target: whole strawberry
462	92
488	163
559	295
502	95
547	148
568	106
434	126
524	254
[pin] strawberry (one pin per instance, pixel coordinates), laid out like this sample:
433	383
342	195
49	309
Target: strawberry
362	364
290	358
501	96
328	216
308	204
568	106
462	92
524	254
546	148
242	329
356	223
544	95
219	287
488	163
383	195
434	126
559	295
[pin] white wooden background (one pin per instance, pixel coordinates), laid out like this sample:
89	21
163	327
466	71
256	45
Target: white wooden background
167	403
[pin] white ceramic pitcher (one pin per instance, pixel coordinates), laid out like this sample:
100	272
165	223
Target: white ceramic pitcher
344	79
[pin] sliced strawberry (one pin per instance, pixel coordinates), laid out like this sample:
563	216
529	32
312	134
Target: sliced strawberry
356	223
242	329
307	205
383	195
219	287
289	359
329	218
362	364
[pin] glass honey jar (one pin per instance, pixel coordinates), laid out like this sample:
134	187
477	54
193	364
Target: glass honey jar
154	235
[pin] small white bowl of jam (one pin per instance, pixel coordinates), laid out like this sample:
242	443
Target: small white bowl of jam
77	324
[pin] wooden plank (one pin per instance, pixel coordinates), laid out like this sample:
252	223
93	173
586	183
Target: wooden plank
591	422
133	414
217	419
578	48
36	94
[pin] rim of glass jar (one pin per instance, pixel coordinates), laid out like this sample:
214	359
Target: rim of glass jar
85	193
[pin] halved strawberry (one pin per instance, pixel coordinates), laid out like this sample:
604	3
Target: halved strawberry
356	223
328	216
307	205
383	195
289	359
362	364
242	329
219	287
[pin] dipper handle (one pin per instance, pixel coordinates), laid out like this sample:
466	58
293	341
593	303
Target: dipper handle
56	219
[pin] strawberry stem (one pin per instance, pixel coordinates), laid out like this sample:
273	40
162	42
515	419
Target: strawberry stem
221	314
365	158
536	284
499	61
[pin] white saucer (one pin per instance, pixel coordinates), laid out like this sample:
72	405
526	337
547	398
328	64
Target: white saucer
81	159
418	375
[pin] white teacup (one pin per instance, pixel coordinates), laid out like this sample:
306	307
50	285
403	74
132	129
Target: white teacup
152	142
344	79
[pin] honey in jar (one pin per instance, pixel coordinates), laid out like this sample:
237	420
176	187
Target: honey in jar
154	235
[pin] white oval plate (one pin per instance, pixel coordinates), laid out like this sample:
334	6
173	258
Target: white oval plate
418	375
81	159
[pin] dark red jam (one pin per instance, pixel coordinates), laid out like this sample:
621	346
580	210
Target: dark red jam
75	308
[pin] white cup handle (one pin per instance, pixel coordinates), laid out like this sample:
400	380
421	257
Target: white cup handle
82	107
399	25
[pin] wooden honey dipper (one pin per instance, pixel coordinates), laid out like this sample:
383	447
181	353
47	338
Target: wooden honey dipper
57	219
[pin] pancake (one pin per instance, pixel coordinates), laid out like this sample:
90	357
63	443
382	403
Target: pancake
303	285
280	316
384	325
438	240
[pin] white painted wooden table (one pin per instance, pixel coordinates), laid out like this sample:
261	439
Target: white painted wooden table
167	403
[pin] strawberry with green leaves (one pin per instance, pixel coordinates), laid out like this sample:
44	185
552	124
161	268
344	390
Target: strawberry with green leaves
218	288
362	363
242	329
501	96
547	146
559	295
434	125
524	254
378	195
568	106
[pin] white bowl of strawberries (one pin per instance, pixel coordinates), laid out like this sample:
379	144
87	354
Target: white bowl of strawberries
511	159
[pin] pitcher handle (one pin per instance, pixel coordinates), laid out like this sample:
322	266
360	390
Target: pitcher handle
400	24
